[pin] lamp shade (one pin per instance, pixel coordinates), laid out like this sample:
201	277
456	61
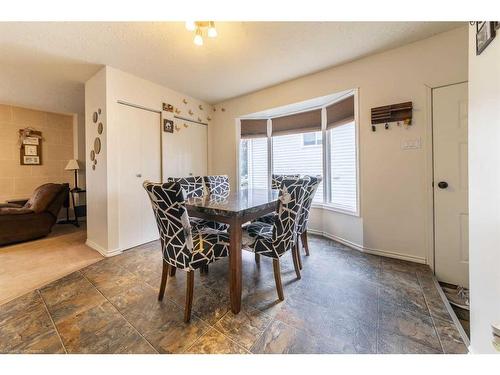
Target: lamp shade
72	165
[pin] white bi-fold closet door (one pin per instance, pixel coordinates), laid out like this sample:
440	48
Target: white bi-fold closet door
140	160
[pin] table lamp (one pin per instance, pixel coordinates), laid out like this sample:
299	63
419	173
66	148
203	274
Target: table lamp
73	166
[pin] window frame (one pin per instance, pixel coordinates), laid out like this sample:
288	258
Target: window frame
326	204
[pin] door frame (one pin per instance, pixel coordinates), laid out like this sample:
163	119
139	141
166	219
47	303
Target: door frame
429	167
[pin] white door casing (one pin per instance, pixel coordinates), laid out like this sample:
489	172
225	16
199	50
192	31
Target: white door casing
140	159
451	215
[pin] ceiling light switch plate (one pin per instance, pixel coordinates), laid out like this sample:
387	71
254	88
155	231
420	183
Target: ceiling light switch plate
411	144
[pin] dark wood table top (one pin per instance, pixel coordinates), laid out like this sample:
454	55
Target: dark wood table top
237	203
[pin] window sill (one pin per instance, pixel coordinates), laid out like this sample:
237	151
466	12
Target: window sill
330	207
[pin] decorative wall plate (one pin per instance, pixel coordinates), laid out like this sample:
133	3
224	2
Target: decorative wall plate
95	117
99	111
92	155
97	145
99	128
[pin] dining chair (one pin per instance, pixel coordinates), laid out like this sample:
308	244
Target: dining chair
194	186
217	186
182	248
275	240
312	183
310	192
275	184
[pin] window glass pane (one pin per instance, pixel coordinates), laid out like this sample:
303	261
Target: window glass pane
343	174
292	156
253	163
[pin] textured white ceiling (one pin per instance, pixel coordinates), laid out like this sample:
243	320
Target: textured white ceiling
45	64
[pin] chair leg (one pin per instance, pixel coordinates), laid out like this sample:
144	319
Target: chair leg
189	296
305	244
172	271
299	256
257	258
277	279
295	256
204	269
164	277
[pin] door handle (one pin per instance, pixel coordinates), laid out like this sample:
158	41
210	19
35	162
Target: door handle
138	175
442	184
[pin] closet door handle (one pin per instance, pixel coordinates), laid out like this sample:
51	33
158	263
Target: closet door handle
138	175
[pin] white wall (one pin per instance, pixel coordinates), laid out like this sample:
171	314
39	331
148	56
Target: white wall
96	180
395	189
484	192
109	86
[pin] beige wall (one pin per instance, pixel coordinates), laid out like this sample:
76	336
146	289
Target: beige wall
19	181
484	189
395	190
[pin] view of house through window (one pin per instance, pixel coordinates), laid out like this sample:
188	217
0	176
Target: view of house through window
291	155
297	147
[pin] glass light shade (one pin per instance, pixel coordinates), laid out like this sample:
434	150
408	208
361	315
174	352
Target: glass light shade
190	25
198	39
212	33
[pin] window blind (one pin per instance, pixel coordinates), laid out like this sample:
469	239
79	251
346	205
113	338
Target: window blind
340	113
297	123
343	173
253	128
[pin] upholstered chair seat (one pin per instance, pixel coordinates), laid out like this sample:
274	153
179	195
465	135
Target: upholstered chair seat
258	228
181	247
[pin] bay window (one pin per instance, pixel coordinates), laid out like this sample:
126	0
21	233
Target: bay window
319	142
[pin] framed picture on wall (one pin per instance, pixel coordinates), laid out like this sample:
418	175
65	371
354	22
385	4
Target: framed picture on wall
485	33
30	150
31	160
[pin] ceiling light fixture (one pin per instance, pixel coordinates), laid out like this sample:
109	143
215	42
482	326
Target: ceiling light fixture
199	27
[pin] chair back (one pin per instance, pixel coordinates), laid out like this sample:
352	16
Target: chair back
217	185
278	178
291	196
172	219
310	190
193	186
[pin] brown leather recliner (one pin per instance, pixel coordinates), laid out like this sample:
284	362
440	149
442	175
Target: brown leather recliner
36	218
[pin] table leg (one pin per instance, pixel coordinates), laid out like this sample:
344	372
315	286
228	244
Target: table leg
74	209
235	265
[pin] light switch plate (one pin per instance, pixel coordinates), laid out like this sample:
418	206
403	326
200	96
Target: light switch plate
411	144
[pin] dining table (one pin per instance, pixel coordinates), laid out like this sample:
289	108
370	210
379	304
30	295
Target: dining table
234	208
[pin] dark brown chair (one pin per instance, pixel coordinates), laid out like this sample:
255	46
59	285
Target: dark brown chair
35	218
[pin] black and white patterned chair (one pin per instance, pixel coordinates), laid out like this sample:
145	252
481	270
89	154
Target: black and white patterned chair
258	227
275	184
218	186
275	240
194	186
311	188
182	248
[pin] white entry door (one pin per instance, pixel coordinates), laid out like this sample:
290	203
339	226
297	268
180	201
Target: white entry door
140	160
451	212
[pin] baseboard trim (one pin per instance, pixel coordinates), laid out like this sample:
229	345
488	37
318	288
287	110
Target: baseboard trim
101	250
355	246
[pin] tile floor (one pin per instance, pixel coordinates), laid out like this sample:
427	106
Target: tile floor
346	302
